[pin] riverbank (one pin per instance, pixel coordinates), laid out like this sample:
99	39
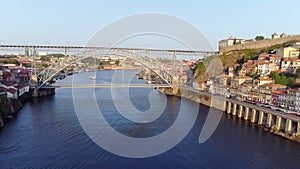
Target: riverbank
220	104
205	99
293	137
10	107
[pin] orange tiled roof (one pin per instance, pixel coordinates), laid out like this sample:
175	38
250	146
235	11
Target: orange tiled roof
273	85
297	90
244	77
279	91
264	78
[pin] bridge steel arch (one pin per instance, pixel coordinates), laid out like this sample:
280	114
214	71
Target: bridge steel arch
48	74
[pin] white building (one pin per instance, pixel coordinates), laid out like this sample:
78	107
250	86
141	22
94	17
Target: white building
297	100
42	53
233	41
11	93
288	53
290	65
263	68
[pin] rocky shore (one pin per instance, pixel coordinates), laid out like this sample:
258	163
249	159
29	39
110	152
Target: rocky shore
10	107
292	137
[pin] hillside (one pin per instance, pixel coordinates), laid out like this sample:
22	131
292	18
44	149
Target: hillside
210	67
259	44
200	72
240	56
214	65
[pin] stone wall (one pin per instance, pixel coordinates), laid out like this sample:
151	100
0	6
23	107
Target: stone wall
42	92
259	44
205	99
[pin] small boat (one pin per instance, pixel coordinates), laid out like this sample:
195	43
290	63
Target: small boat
93	77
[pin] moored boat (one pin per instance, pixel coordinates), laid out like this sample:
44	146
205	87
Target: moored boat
93	77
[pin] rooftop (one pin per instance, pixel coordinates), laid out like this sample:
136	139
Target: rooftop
264	79
273	85
279	91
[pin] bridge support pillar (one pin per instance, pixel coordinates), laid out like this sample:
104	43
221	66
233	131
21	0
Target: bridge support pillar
35	92
246	116
261	118
253	116
298	129
278	123
175	89
269	121
288	126
240	114
234	109
229	108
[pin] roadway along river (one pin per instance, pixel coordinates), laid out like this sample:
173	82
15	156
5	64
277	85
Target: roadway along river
47	134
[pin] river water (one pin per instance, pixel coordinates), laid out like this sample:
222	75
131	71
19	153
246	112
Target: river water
47	134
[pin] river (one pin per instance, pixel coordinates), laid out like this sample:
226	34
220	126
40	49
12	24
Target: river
47	134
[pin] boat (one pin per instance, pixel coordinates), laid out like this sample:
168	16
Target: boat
93	77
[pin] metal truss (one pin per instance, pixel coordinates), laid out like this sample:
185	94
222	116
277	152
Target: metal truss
50	73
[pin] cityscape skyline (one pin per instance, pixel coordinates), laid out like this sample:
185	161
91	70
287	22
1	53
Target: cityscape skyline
63	22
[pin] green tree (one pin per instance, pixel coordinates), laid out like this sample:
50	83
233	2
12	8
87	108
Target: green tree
117	62
40	65
45	58
259	37
297	74
273	75
254	76
200	71
9	61
281	78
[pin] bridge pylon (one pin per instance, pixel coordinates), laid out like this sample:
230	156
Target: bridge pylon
175	88
34	83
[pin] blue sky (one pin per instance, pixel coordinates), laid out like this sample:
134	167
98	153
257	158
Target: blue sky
75	21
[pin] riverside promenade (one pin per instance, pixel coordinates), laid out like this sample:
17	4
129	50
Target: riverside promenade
276	122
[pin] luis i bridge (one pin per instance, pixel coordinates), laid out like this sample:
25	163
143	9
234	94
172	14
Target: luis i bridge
278	122
45	78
